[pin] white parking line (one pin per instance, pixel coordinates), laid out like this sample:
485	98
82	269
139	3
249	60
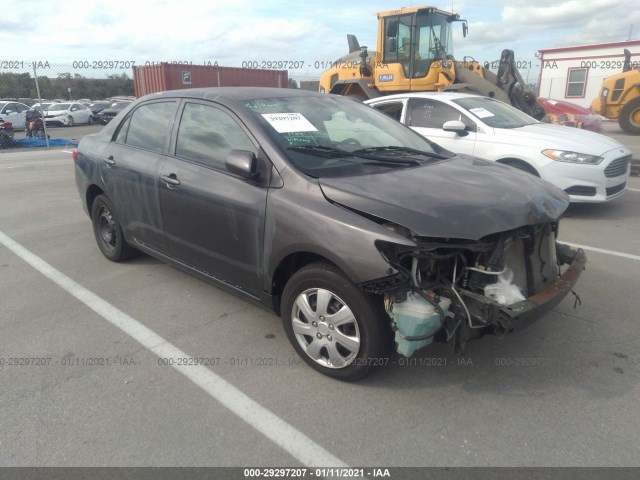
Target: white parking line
36	164
602	250
634	189
296	443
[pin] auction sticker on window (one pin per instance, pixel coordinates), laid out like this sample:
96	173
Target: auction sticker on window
289	122
481	112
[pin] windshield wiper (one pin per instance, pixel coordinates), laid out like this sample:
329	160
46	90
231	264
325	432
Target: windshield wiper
393	149
321	151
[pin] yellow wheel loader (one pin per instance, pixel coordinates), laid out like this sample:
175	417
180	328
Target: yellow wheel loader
414	54
620	97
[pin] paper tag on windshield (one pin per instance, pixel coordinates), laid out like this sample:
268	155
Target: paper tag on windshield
481	112
289	122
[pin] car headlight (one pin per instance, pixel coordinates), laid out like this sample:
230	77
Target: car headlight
573	157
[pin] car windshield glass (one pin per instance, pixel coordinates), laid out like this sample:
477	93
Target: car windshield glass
336	136
59	107
495	113
2	104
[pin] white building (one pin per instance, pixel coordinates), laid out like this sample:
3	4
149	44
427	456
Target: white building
575	74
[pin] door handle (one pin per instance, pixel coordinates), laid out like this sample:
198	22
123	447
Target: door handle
171	180
109	161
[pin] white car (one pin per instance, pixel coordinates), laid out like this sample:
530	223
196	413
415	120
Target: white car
68	114
15	113
588	166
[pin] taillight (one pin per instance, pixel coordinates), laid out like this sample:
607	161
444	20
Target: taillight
75	155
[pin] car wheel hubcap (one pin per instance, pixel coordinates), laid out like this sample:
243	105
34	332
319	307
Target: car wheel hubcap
635	117
107	228
325	328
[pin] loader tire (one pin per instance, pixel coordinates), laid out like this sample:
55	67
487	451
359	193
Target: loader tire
629	120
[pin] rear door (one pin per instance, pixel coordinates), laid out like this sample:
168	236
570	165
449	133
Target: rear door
427	116
130	168
214	220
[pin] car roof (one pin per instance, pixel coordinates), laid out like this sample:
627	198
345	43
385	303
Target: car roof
232	93
438	95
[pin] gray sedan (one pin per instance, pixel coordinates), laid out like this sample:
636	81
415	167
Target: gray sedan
364	236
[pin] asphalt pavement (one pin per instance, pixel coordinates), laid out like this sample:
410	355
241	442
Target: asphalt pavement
96	389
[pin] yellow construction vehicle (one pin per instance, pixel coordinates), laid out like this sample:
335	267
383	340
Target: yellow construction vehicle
620	97
413	54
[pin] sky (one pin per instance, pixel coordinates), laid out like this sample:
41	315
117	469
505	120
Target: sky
237	32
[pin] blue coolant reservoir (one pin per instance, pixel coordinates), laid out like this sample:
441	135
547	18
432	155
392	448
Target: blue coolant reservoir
416	317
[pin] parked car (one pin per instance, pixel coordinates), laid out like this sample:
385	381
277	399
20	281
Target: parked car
14	113
68	114
105	115
359	232
570	114
588	166
97	107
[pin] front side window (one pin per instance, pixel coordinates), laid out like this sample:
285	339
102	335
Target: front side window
427	113
576	82
149	126
207	135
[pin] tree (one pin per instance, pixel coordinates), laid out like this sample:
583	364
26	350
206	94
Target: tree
293	83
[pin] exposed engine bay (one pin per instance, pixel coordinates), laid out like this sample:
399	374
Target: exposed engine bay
455	290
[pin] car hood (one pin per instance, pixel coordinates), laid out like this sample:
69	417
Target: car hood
463	197
558	137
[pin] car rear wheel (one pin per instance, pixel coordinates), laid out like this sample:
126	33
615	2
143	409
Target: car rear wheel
108	232
70	121
335	328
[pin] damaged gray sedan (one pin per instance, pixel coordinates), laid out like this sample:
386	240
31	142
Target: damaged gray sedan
364	236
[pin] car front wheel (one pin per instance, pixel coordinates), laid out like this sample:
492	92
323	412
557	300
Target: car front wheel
70	121
108	232
335	328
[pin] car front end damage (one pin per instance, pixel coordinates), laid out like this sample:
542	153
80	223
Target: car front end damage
456	290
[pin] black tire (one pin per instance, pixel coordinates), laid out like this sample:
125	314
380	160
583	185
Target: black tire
338	357
629	119
90	122
70	121
108	232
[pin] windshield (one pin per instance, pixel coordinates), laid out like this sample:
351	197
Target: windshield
336	136
433	36
495	113
2	105
58	107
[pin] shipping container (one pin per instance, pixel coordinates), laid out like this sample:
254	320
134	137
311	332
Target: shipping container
169	76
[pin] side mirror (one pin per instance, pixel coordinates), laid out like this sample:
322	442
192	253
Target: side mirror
455	126
242	163
465	28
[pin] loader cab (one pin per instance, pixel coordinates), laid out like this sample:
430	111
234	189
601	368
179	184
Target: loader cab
415	38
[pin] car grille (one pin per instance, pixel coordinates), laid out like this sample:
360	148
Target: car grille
581	190
618	167
616	189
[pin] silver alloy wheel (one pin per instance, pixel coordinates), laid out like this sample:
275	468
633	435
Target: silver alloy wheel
325	328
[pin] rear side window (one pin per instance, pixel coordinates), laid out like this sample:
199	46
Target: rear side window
207	135
149	126
393	109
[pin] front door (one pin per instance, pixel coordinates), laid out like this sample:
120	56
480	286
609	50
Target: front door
214	220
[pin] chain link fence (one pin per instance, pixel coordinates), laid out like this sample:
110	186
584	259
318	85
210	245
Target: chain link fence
28	88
